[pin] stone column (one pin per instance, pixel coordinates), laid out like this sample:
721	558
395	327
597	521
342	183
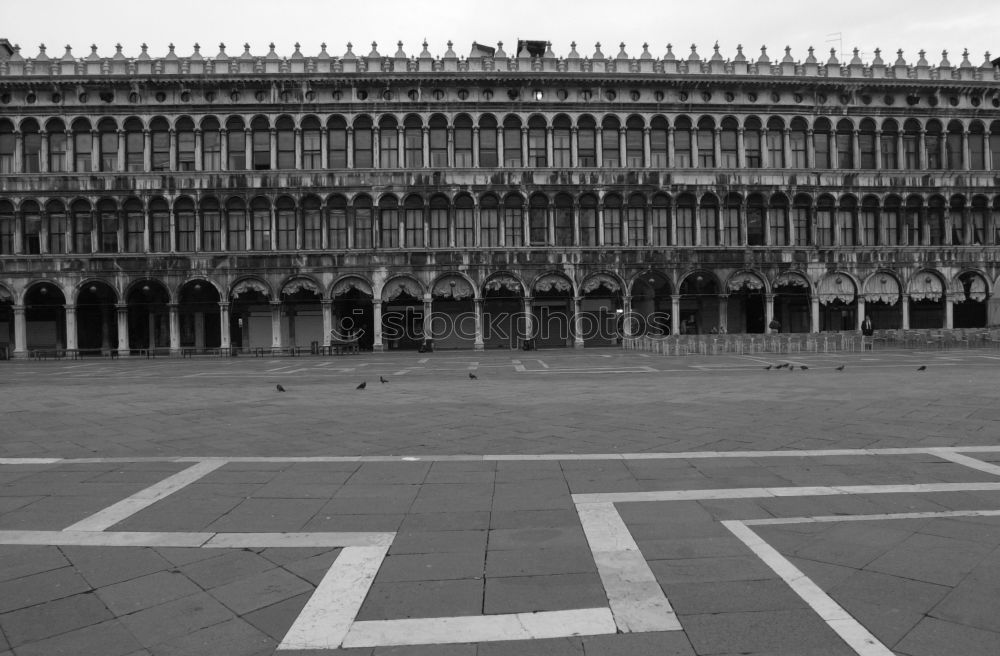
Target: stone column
966	164
224	341
647	148
724	311
524	146
451	147
224	149
324	148
248	149
878	150
172	150
70	326
814	314
856	149
401	147
198	155
741	154
121	314
574	147
327	307
949	311
95	150
717	146
276	324
478	344
900	155
786	147
20	333
905	301
377	345
765	152
18	152
428	311
922	148
987	153
626	316
475	147
273	147
175	329
577	323
860	314
426	139
621	146
147	150
549	154
810	150
529	317
43	155
693	132
599	145
350	147
675	314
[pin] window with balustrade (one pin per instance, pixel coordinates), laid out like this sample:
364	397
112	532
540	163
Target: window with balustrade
285	139
312	223
107	144
465	221
236	225
107	226
337	141
260	226
284	217
159	226
336	208
489	216
211	225
185	225
513	221
211	145
438	222
488	155
135	226
413	142
463	142
659	218
159	134
413	218
388	219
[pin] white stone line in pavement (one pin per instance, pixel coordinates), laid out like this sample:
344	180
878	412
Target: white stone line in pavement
125	508
275	540
69	538
761	492
29	461
870	518
330	611
974	463
849	629
636	599
481	628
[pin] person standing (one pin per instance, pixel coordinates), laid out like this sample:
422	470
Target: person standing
867	331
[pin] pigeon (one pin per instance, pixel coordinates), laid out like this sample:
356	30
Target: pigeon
473	376
382	380
922	367
791	367
362	385
280	388
782	365
840	368
768	367
802	366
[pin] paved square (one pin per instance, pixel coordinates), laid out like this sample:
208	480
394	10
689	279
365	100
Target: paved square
580	503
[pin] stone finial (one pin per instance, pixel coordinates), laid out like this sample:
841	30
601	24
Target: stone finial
787	59
988	64
811	59
350	53
716	56
764	59
548	51
271	54
646	54
374	52
670	53
923	59
41	52
833	58
740	57
944	60
899	60
856	60
597	51
298	53
500	54
573	54
694	56
246	49
965	59
323	54
399	52
425	53
878	58
68	56
449	53
621	53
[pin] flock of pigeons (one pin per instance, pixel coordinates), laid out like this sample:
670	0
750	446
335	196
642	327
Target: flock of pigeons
381	379
791	367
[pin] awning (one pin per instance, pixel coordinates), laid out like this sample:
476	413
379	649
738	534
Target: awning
455	288
926	287
977	289
789	279
503	281
882	288
551	282
836	287
744	280
347	284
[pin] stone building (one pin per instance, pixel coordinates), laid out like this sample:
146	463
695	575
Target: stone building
247	200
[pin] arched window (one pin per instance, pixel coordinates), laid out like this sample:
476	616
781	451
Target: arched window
586	137
821	144
977	146
135	226
463	142
846	218
512	142
286	142
537	156
236	225
135	159
32	217
953	147
845	144
610	154
956	215
336	207
488	156
465	221
6	228
995	145
489	216
260	134
414	209
659	217
83	145
612	220
32	149
682	143
934	142
913	216
159	133
312	223
588	220
797	139
57	145
55	213
538	220
236	145
439	228
866	144
891	227
728	144
825	208
777	217
336	134
388	217
284	211
159	226
83	227
658	142
686	225
362	225
211	145
751	142
108	144
413	142
801	231
211	225
706	143
312	144
107	225
979	219
634	150
868	228
911	144
776	143
185	225
438	138
260	227
561	142
709	216
6	146
731	220
636	220
388	143
935	221
888	144
564	220
513	221
185	144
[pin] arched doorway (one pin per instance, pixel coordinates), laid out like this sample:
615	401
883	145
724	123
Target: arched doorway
651	305
45	316
927	299
791	302
699	303
601	310
838	299
402	314
353	314
199	318
6	323
301	313
250	321
148	316
452	323
970	304
552	311
745	311
96	323
503	306
882	306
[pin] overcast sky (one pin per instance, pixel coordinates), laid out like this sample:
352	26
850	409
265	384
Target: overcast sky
912	25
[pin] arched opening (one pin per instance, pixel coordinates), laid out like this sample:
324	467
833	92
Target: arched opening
452	324
745	307
96	323
552	310
6	323
970	308
601	311
199	318
301	313
353	312
791	303
402	315
882	306
503	311
148	317
250	320
838	299
927	301
45	317
651	305
699	303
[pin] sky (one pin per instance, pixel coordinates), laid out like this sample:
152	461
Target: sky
891	25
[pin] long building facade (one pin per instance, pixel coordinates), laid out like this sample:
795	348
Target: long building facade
265	201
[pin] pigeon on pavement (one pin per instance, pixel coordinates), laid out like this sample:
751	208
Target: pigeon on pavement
840	368
280	388
362	385
473	376
922	367
382	380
